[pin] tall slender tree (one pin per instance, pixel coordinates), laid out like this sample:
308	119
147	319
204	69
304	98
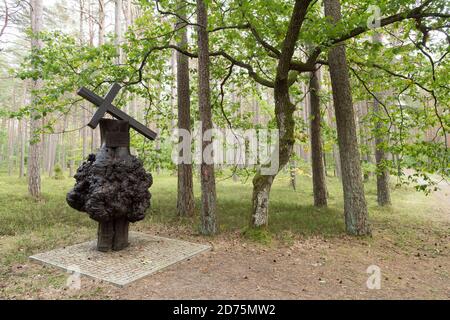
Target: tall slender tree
355	207
382	173
336	158
317	164
23	135
208	183
34	175
185	199
118	29
101	22
84	129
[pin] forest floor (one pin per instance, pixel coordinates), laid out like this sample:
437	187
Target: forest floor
305	253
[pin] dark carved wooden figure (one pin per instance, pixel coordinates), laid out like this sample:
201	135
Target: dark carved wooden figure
112	186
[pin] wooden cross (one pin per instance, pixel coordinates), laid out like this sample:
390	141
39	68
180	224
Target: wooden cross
105	105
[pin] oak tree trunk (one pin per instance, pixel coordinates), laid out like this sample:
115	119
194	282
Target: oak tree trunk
284	110
355	207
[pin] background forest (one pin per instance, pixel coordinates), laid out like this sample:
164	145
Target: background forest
358	90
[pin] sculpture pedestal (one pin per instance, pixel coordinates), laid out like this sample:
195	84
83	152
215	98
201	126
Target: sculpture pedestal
145	255
112	235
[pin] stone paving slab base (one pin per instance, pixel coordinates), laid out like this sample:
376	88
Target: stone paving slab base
145	255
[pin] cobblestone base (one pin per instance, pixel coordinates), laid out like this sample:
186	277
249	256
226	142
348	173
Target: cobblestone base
145	255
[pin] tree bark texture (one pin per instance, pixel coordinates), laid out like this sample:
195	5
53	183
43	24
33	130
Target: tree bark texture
185	199
284	110
317	163
355	207
34	175
383	192
208	183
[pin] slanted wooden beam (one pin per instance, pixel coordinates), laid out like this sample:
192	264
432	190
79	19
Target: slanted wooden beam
114	111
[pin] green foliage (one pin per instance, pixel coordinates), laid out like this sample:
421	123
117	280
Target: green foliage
258	235
59	175
415	103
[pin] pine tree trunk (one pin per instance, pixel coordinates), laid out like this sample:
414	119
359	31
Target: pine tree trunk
369	140
2	146
363	136
63	146
23	134
9	149
118	29
336	159
293	174
84	133
306	116
324	160
383	193
73	145
101	41
185	199
128	15
12	134
44	148
208	183
48	157
355	207
81	7
34	175
90	22
317	164
101	22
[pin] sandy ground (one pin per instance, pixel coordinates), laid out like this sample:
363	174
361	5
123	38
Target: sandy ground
312	268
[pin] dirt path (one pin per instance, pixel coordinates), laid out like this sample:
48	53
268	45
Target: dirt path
312	269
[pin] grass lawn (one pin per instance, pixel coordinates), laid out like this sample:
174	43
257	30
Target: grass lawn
28	227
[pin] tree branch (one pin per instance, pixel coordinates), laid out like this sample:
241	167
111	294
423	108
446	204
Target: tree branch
248	67
412	14
5	24
273	52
